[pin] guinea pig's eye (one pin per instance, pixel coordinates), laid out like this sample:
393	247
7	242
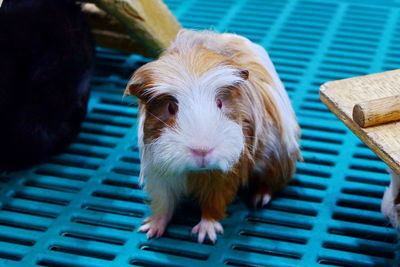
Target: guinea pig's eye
219	103
172	108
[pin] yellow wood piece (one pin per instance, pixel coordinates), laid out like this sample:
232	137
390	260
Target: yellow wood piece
122	42
148	22
100	20
377	111
341	96
110	33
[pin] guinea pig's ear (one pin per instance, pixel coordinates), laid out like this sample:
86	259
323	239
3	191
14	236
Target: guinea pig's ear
137	85
134	88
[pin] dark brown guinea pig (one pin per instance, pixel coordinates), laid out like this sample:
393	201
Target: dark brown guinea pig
46	56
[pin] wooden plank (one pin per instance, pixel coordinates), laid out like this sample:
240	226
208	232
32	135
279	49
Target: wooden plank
100	20
110	33
149	22
119	41
341	96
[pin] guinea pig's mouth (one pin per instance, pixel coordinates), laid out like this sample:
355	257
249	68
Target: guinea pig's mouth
204	167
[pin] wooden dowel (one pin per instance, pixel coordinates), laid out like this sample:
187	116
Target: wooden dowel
378	111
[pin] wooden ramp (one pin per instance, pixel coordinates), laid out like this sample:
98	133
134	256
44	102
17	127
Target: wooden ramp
341	96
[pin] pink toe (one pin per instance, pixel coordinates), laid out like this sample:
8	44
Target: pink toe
143	228
266	199
201	237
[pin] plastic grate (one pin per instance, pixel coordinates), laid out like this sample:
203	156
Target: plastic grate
82	208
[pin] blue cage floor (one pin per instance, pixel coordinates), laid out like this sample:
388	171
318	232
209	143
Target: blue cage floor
83	207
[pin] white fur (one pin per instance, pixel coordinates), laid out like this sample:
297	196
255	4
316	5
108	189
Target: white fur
281	99
199	123
388	208
196	96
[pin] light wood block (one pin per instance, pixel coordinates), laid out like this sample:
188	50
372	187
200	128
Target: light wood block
341	96
149	23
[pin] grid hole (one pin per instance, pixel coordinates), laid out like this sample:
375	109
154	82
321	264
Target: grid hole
54	263
313	173
112	112
368	168
82	252
124	184
22	195
113	210
358	205
130	160
356	218
68	189
368	235
320	150
73	163
59	173
363	192
240	263
289	239
10	256
91	237
115	196
87	152
16	240
126	171
24	226
8	207
338	263
266	251
93	222
362	249
366	180
147	263
175	251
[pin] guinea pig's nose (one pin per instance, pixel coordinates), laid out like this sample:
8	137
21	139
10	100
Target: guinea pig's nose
201	152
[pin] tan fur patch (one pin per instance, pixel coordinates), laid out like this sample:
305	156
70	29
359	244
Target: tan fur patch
214	190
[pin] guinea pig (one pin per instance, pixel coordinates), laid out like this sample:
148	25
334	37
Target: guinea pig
214	116
390	206
46	56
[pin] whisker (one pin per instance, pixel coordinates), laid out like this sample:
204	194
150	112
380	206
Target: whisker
251	147
159	120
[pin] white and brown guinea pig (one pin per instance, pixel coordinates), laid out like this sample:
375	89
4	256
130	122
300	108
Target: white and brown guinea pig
214	115
391	202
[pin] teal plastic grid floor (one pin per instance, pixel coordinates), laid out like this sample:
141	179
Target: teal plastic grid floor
82	208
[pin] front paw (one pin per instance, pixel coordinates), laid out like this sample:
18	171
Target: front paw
154	226
209	228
